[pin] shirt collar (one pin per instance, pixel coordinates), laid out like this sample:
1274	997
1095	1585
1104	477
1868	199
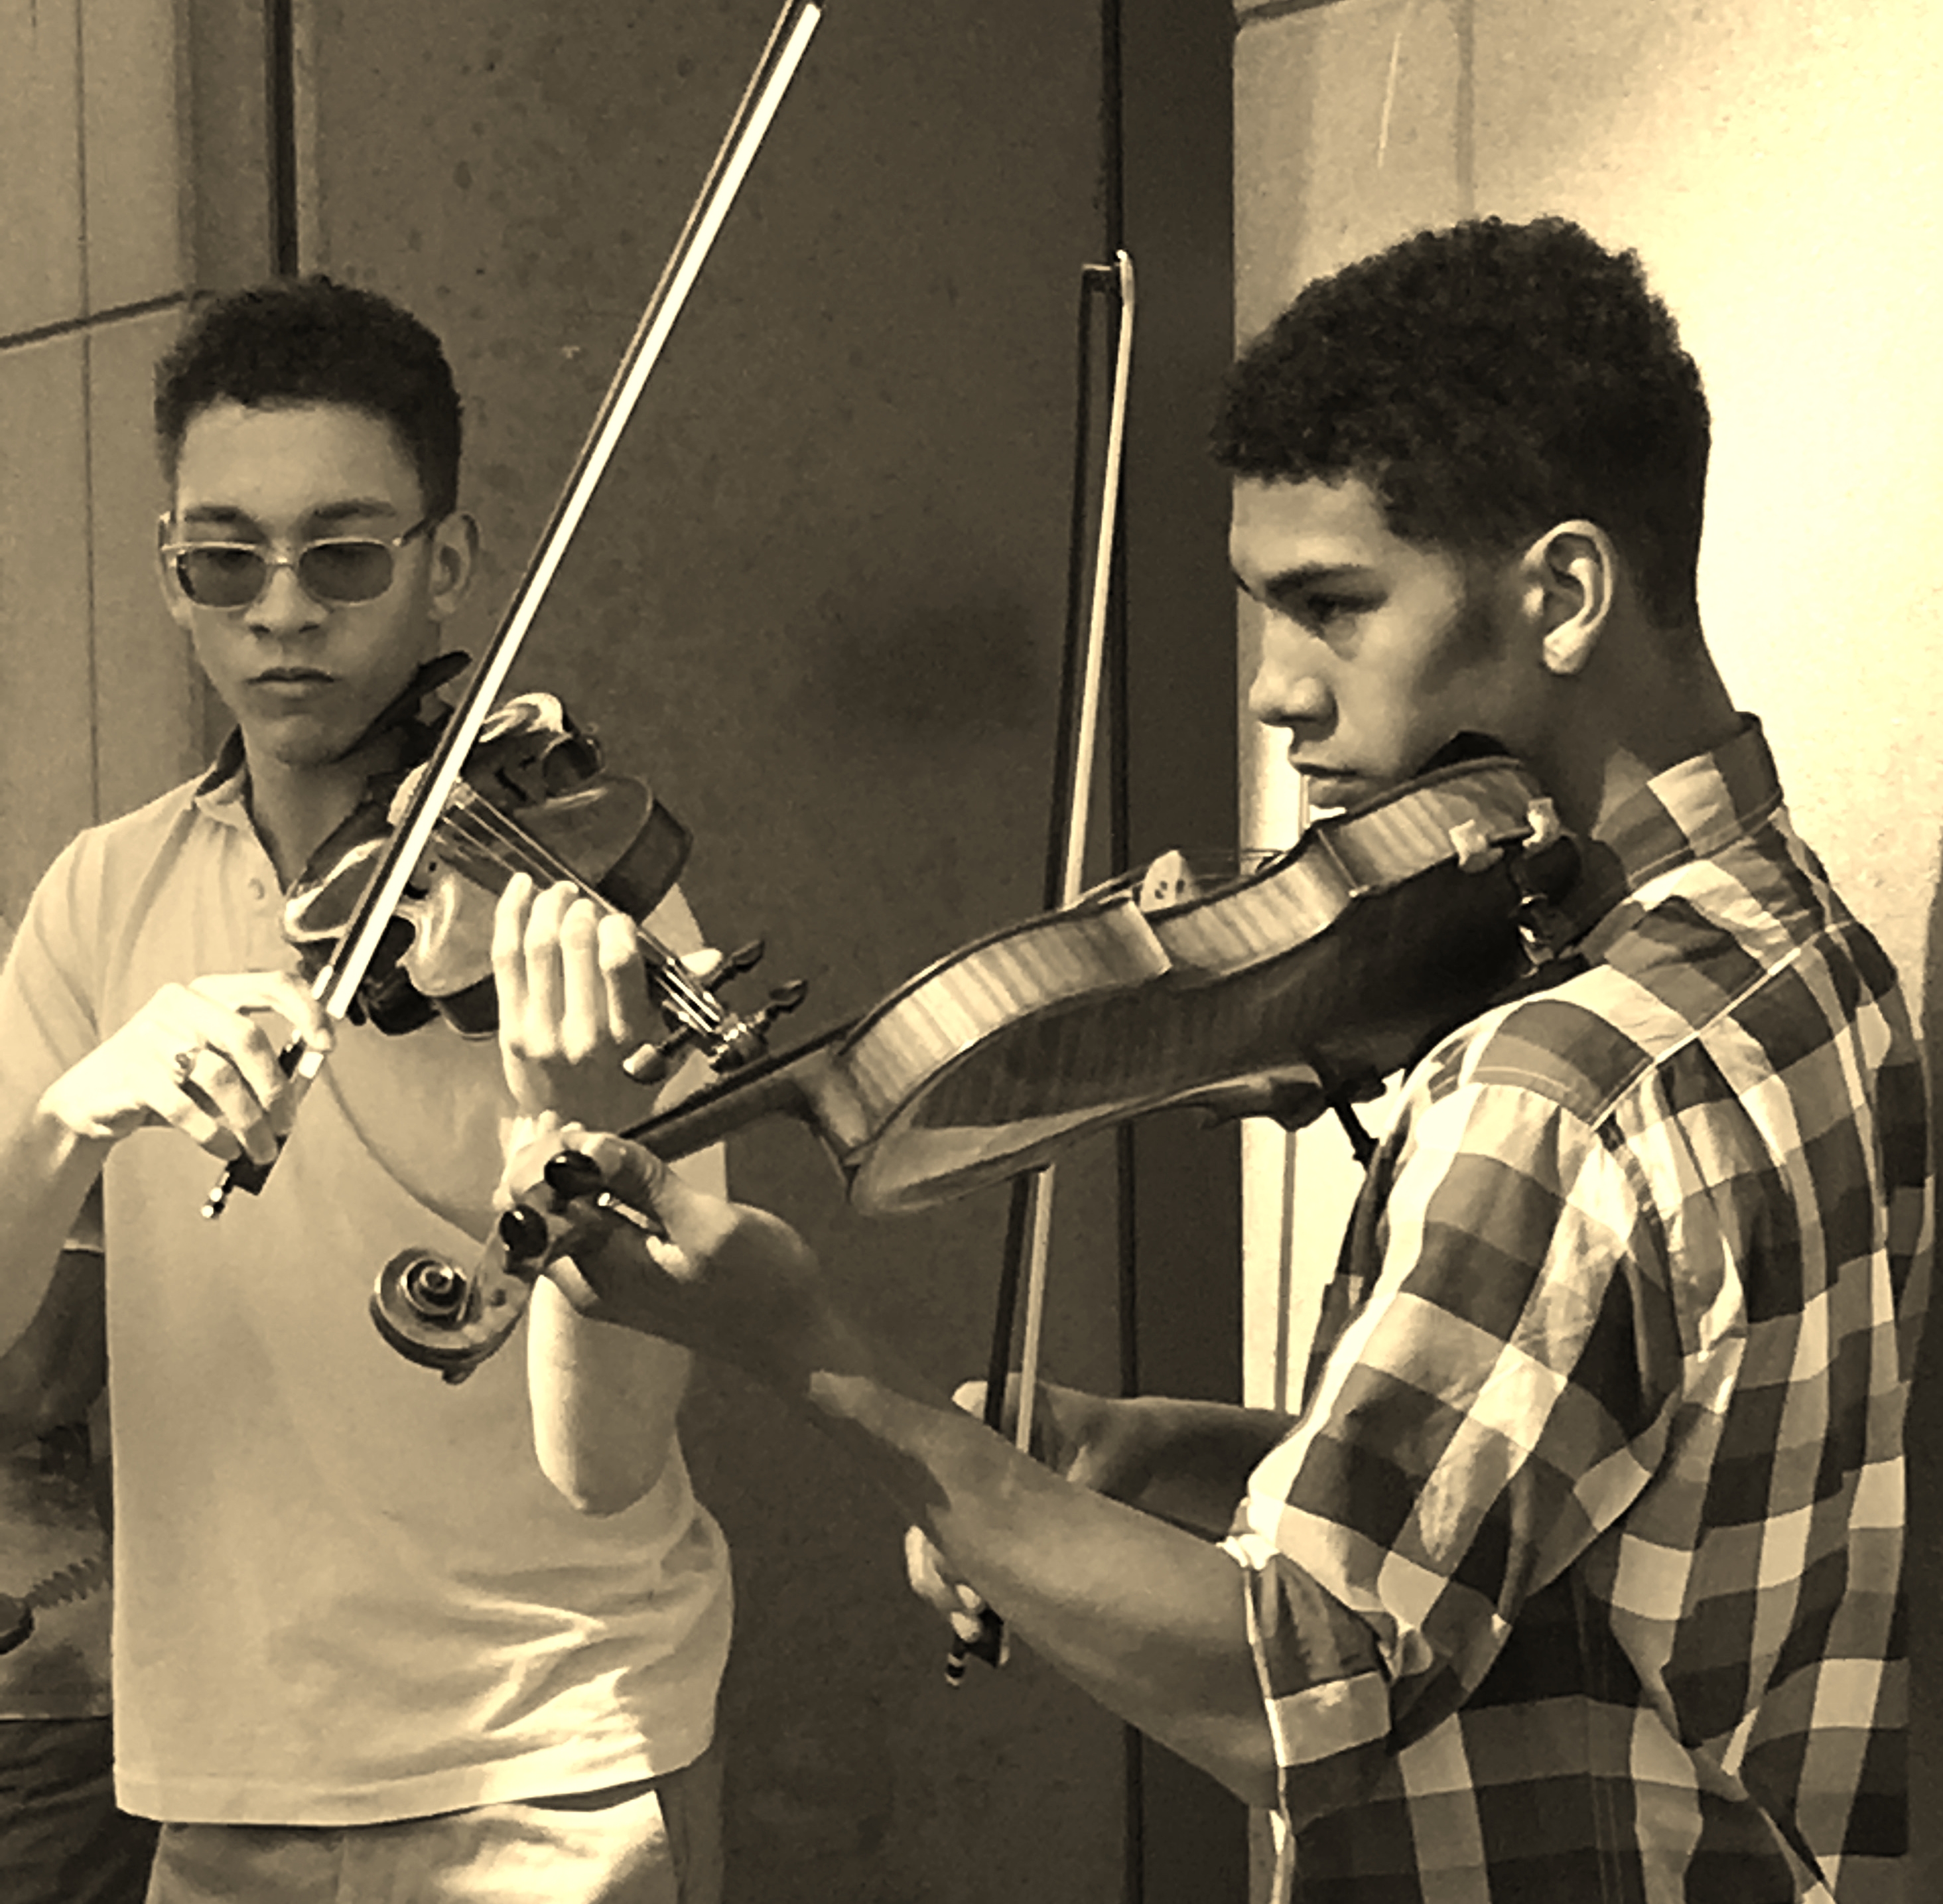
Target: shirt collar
1694	810
223	793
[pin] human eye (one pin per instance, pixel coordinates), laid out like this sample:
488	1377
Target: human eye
348	568
1330	611
224	558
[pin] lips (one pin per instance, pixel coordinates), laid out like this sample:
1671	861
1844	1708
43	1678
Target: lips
290	678
1330	788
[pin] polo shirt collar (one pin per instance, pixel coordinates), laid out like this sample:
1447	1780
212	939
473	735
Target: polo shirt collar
223	793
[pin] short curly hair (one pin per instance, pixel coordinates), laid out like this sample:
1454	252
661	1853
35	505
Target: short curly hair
1486	380
310	340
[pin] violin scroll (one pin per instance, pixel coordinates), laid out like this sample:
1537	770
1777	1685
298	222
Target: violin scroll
732	1041
441	1316
437	1315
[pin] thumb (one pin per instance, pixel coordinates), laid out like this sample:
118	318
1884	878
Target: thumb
531	1139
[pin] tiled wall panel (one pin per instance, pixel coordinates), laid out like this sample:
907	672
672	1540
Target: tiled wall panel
148	696
106	705
46	660
132	180
40	164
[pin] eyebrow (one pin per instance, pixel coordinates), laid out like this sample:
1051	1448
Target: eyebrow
327	515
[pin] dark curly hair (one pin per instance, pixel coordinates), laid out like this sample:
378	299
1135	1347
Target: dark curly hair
1486	381
309	340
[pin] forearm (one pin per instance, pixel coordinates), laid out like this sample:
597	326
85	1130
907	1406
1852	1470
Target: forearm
1146	1617
1149	1619
604	1403
605	1400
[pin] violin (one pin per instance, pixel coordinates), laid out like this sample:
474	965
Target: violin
535	796
1290	993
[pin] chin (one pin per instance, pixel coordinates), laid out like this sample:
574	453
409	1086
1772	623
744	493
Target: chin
301	746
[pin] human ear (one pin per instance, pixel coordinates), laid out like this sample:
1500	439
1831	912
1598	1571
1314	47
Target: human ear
1570	573
455	555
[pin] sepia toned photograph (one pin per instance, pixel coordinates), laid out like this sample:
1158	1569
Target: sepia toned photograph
963	953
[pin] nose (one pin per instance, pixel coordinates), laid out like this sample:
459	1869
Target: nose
1288	689
283	608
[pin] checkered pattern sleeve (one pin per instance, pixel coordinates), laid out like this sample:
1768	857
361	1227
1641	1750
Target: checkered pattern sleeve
1497	1403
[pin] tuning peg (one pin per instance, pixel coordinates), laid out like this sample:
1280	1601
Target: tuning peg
523	1232
572	1173
652	1063
783	999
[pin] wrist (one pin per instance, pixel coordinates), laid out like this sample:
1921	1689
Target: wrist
64	1133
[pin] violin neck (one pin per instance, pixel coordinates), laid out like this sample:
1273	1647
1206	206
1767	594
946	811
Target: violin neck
786	1084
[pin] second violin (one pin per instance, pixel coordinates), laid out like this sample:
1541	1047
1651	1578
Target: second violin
536	797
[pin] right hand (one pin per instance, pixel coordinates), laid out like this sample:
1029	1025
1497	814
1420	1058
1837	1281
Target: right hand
193	1057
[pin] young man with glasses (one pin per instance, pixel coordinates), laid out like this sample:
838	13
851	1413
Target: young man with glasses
366	1646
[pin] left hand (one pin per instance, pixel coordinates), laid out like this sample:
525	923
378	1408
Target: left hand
733	1282
573	1002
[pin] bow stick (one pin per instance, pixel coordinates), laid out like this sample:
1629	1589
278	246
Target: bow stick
336	986
1029	1231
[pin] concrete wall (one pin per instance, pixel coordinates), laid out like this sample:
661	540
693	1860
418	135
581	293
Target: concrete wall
1775	163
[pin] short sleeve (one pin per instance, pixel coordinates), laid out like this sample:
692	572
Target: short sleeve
1497	1401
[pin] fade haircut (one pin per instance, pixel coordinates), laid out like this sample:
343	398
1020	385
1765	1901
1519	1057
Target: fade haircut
1486	381
308	340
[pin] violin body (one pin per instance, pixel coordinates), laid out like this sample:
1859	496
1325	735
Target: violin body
535	789
1297	988
1286	993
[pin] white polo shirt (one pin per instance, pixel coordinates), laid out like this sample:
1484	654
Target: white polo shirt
346	1592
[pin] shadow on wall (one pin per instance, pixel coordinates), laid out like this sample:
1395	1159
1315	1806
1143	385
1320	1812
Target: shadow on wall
1924	1565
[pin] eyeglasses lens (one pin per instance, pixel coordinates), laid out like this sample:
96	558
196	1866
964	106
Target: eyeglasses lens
345	572
224	575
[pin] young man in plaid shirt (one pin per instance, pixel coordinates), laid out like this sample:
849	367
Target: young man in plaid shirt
1578	1576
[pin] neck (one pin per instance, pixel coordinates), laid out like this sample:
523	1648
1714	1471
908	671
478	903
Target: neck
1639	710
295	806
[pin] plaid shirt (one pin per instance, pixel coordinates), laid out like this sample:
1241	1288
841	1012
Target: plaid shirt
1578	1578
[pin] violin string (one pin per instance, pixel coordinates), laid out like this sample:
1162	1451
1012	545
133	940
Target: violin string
474	822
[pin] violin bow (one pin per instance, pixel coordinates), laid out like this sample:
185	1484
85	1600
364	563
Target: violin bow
1029	1229
336	985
